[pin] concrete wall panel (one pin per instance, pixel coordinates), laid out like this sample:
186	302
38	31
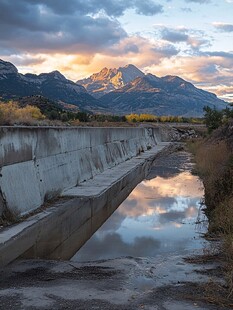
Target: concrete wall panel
37	164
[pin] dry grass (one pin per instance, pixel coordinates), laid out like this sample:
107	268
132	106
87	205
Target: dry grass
211	158
212	293
214	165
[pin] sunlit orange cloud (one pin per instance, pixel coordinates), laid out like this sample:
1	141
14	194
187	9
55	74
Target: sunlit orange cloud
136	50
175	186
210	72
50	63
150	192
208	69
140	208
73	67
223	91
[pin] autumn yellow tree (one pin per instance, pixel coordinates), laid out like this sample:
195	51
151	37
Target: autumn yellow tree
141	117
11	113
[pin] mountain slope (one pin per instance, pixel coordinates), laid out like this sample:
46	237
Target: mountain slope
132	91
169	95
53	86
108	80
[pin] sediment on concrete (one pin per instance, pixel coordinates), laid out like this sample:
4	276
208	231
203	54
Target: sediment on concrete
38	164
59	231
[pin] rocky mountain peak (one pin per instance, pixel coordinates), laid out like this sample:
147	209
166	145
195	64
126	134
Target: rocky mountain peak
174	79
54	75
104	74
111	79
7	68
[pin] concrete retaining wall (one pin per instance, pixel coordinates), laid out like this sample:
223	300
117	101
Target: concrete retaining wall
37	164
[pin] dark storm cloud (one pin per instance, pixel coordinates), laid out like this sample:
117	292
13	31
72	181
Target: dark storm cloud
65	26
26	27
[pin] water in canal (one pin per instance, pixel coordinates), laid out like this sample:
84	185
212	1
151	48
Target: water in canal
158	218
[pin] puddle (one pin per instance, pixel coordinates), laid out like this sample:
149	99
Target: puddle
158	218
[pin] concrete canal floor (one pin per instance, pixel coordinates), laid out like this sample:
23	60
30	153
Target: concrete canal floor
164	281
124	283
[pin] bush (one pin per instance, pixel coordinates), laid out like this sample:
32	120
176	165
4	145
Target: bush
213	118
11	113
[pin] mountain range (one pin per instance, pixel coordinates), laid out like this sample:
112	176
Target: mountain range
169	95
120	91
53	86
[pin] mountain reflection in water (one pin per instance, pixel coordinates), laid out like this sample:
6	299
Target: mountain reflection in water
158	218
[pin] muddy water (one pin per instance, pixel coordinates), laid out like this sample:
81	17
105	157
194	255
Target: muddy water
159	218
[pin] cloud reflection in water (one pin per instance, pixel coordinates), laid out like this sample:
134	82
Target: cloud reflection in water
157	218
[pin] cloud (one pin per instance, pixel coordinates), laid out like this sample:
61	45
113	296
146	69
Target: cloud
198	1
208	70
26	60
114	8
197	42
112	245
223	27
172	216
160	196
74	26
41	8
174	36
55	33
186	10
226	55
135	49
224	92
193	38
148	7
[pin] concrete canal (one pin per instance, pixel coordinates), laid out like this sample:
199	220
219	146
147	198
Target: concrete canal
134	261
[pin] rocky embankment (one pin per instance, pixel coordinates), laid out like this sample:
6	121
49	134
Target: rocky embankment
178	134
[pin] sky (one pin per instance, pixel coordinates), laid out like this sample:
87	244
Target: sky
189	38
